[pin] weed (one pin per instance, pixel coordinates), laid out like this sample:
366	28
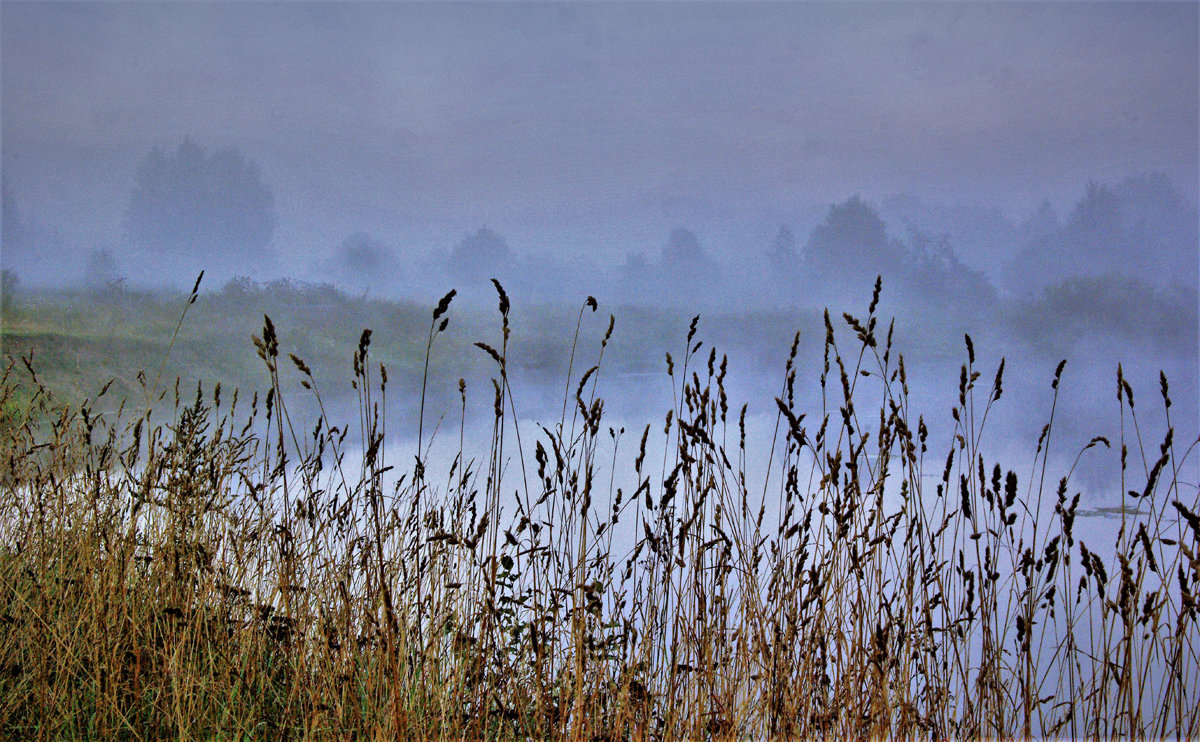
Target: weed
227	570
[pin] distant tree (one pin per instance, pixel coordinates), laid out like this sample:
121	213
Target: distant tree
782	254
635	270
1095	223
362	254
1141	227
1041	224
483	254
847	250
209	207
851	236
1112	305
363	263
240	287
1161	227
8	287
101	272
29	245
683	250
936	275
12	229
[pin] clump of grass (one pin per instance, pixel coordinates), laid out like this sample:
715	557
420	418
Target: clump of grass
216	567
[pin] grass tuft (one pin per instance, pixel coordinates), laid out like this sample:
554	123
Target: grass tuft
212	568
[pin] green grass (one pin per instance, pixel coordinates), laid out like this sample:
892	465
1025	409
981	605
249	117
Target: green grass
82	341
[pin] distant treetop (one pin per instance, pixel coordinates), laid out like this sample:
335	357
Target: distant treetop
782	253
193	204
683	249
852	239
480	255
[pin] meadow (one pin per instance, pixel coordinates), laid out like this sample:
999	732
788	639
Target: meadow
181	558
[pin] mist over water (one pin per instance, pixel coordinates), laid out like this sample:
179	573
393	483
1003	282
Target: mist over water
645	198
1092	260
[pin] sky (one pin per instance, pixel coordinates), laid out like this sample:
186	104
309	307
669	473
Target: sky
593	128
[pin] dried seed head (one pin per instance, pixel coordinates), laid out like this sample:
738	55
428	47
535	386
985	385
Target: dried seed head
503	298
444	304
195	289
490	351
301	365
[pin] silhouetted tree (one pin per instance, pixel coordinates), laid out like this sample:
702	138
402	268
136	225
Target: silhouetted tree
213	208
1141	227
8	287
1041	224
935	275
28	245
849	249
12	229
852	236
636	264
1095	222
362	262
481	255
782	255
1111	305
361	253
1161	227
683	249
101	274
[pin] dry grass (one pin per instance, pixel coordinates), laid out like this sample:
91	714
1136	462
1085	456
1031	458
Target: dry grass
230	571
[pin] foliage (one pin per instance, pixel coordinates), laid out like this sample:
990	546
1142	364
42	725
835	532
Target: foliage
193	203
935	273
102	274
1112	306
218	569
9	281
1141	227
360	254
852	240
782	256
683	250
479	255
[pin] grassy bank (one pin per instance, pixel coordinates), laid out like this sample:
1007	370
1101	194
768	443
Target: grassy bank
82	340
218	566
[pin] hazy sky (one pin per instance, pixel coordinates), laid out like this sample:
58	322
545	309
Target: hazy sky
606	121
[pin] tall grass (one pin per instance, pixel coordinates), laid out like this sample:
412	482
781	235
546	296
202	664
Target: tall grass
215	567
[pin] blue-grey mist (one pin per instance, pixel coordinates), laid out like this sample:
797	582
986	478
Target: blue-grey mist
1025	173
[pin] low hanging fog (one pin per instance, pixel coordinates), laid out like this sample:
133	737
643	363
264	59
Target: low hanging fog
1023	174
600	370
